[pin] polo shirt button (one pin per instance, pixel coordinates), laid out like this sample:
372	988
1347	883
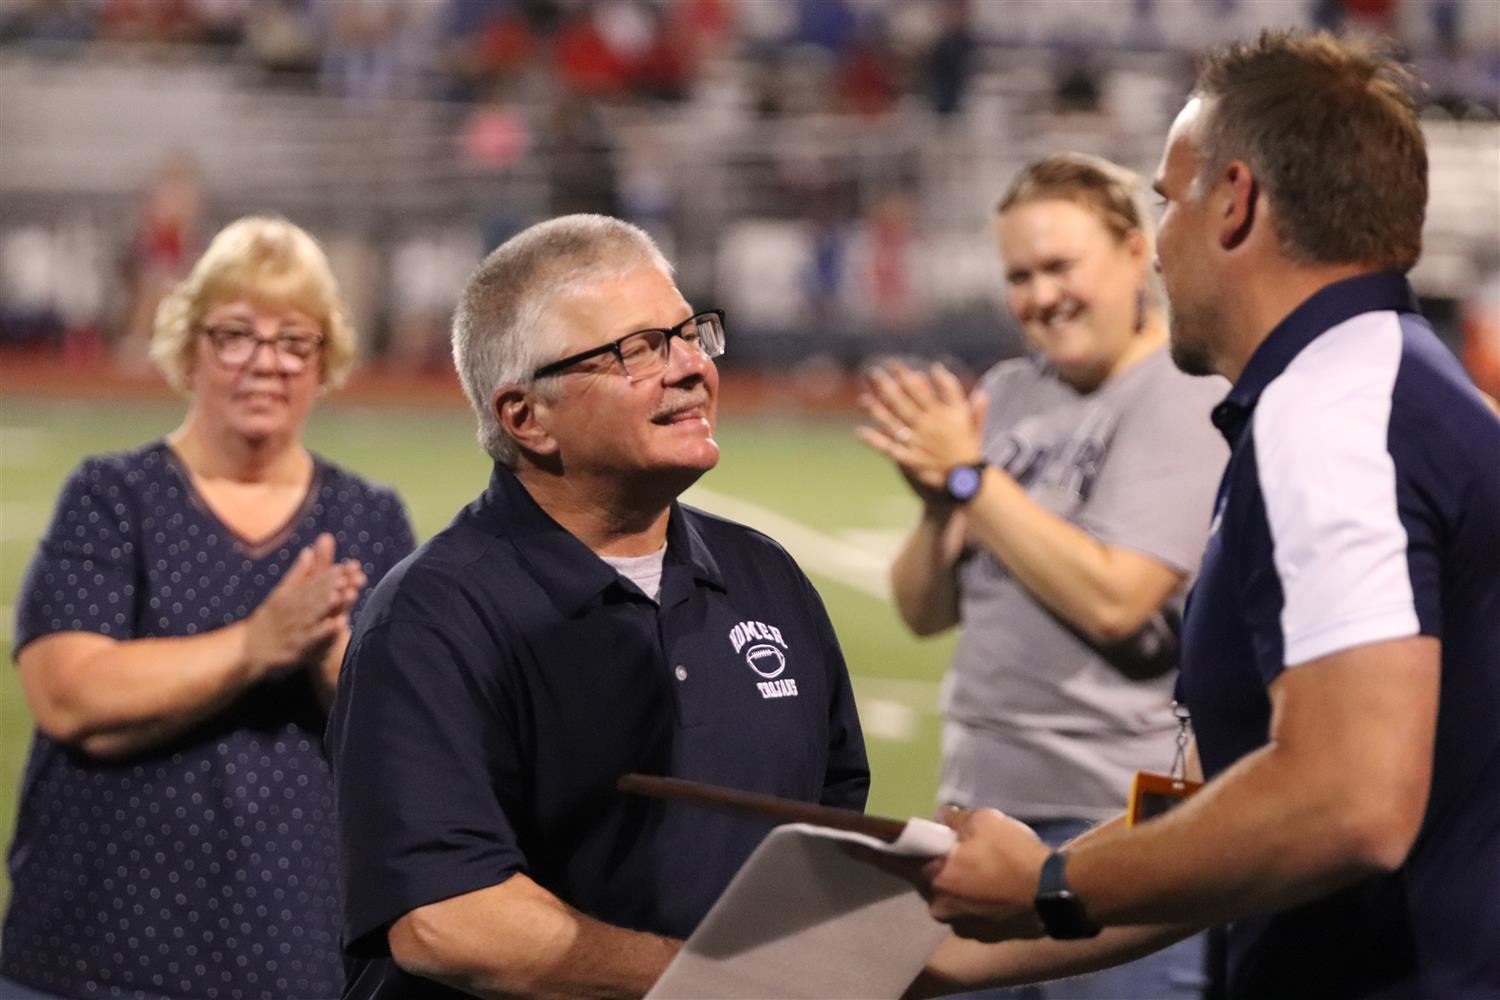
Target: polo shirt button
681	672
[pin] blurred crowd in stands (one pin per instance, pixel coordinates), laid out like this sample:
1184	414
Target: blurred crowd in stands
654	50
830	242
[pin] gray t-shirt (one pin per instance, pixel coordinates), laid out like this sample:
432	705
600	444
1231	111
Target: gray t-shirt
1040	723
643	571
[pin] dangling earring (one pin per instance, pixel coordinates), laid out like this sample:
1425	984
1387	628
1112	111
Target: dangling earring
1140	310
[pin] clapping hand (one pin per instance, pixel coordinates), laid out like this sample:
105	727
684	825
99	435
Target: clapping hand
305	619
924	423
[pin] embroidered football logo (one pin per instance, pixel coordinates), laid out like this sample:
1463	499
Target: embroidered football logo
766	660
766	657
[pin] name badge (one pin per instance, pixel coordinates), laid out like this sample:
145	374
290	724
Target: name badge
1153	794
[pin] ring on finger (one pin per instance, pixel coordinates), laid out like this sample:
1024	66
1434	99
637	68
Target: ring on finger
903	434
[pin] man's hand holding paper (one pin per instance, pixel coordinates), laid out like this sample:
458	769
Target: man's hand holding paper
985	887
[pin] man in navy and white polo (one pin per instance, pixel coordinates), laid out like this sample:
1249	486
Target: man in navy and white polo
572	624
1341	648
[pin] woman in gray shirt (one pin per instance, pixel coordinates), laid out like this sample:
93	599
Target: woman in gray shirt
1065	504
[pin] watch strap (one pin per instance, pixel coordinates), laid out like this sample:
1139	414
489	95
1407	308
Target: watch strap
1061	911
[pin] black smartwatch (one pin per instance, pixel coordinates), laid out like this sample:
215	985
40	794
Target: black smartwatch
963	481
1061	911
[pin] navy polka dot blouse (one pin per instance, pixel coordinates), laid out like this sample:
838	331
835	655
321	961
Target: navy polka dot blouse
205	867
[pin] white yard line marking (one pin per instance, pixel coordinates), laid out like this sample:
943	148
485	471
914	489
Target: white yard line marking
852	565
891	721
883	542
920	695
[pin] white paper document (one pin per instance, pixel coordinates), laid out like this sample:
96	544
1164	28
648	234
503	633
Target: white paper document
804	919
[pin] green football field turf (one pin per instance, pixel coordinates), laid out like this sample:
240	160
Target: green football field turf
835	505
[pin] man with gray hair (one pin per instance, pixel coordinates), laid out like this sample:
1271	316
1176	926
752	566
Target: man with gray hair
575	623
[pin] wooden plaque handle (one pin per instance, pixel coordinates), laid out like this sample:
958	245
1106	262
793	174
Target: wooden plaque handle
761	806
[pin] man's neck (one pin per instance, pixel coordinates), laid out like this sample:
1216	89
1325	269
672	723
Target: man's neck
610	519
1267	296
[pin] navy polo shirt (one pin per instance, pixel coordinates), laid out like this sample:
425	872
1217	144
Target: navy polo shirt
1361	504
504	676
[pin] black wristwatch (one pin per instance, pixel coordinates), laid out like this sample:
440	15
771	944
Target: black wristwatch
1061	911
963	481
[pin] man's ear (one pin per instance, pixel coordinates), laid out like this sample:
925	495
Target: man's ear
1238	195
522	417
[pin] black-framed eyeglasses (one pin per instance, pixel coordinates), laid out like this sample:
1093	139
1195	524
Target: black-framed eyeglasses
236	344
645	352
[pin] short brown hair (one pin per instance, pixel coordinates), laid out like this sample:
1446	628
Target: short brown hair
265	259
1329	130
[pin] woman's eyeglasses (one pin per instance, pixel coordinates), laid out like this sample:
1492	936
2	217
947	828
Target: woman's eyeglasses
235	345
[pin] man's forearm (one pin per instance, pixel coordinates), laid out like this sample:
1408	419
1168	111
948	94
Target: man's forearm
516	940
960	965
1222	854
1338	794
601	963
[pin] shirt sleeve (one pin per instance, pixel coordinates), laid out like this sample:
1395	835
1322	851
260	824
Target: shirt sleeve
84	576
420	741
1155	489
1352	550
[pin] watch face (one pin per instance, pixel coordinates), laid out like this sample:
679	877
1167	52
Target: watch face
1063	917
963	482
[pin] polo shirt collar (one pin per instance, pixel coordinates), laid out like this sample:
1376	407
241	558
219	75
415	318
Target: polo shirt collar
1322	311
568	570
